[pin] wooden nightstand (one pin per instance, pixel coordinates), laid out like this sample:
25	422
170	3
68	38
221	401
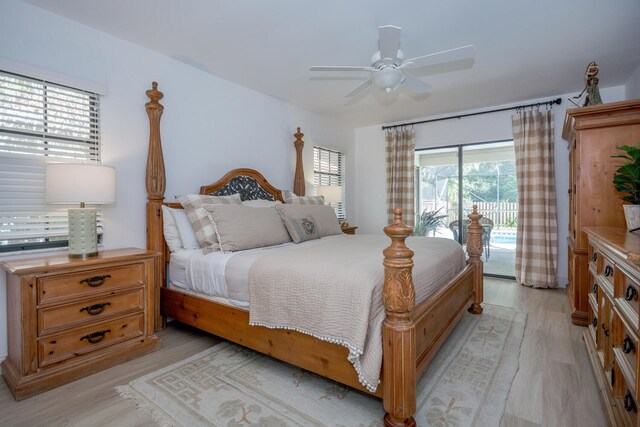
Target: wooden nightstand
349	230
70	318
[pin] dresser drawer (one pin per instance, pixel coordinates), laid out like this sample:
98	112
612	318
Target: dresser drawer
63	346
625	348
624	399
63	287
58	317
627	291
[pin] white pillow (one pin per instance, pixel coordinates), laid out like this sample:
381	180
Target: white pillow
187	233
261	203
171	234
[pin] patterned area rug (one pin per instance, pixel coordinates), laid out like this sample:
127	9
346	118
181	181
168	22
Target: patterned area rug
465	385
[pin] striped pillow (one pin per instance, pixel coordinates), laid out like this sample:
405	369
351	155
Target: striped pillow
192	204
291	199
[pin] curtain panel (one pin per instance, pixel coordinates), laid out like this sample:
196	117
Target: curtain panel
537	241
400	174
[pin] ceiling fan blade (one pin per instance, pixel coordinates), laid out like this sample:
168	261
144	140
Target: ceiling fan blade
340	68
389	41
415	84
456	54
365	84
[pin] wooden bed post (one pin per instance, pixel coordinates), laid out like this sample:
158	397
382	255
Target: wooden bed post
155	182
298	180
474	250
398	330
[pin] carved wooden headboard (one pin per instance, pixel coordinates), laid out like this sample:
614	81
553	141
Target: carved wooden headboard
249	183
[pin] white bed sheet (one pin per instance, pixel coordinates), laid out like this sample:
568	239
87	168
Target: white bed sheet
192	270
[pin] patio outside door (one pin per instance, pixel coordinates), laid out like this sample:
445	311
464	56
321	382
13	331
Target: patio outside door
488	180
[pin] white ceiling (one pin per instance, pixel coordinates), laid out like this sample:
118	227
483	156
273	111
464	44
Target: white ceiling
525	49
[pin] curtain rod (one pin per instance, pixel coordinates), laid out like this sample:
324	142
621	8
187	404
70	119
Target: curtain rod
459	116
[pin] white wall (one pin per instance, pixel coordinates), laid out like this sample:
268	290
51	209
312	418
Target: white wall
209	125
371	212
632	87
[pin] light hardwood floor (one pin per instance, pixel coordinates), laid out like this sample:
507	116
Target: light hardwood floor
554	385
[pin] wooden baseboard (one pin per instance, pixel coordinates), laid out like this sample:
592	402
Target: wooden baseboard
55	376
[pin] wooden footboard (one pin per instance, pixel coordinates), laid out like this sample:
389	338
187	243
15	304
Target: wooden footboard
411	334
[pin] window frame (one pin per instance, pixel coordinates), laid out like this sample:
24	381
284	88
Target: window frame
42	121
329	169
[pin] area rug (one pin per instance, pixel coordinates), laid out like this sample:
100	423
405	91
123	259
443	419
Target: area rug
465	385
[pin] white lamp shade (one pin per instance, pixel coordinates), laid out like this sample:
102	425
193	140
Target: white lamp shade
67	183
331	193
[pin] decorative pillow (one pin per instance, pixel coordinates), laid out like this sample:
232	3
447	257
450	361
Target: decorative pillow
291	198
192	203
245	227
187	233
287	196
261	203
302	229
324	216
171	233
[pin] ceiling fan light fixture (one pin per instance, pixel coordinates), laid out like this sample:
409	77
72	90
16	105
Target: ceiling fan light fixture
388	79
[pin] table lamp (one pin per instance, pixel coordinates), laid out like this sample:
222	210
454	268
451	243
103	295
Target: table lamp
67	183
331	193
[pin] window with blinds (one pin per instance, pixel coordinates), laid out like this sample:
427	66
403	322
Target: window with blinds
328	169
40	122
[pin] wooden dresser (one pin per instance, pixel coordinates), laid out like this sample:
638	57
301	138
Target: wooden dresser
614	327
593	134
70	318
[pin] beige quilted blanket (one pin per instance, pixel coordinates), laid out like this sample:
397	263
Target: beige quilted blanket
332	290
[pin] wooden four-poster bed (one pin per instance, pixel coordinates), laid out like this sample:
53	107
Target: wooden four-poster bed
411	334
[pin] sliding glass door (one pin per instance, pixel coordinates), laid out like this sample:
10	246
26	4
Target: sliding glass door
488	180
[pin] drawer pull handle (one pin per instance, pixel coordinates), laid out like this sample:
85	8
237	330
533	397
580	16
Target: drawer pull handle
595	288
594	257
613	377
629	404
95	337
594	322
96	281
608	270
627	345
606	331
95	309
631	293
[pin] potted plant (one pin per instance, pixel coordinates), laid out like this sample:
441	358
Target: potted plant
428	222
627	180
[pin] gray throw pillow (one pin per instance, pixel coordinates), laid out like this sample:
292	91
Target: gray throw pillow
323	215
302	229
241	227
192	204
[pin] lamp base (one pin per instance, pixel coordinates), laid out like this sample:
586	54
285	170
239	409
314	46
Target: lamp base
83	235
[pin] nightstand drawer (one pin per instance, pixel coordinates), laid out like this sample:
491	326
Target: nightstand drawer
58	317
58	348
63	287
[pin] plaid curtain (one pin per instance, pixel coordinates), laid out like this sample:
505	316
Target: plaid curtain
400	179
537	241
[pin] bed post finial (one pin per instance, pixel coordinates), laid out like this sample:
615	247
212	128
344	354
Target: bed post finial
298	180
474	250
155	181
398	330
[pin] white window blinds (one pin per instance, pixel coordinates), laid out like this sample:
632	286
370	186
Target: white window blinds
328	169
40	122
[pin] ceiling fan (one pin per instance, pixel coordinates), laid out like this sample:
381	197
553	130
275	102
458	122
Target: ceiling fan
387	70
